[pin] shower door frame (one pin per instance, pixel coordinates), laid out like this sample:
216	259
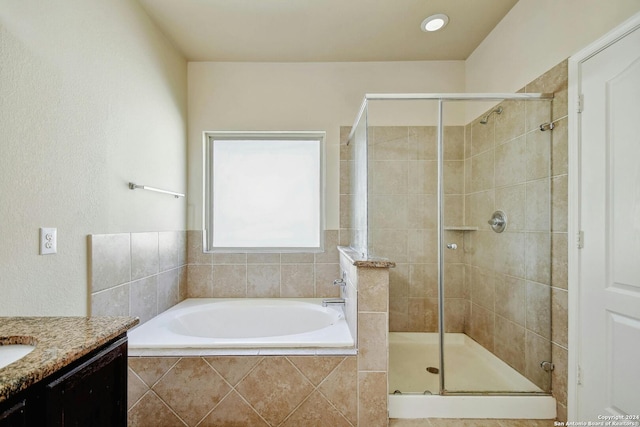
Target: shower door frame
441	98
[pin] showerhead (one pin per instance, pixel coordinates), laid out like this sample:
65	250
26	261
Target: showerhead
485	119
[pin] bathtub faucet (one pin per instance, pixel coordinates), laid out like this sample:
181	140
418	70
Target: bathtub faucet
332	301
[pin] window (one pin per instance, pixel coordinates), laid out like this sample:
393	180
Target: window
263	191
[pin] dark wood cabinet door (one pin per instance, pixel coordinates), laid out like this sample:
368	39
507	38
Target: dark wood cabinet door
92	394
14	415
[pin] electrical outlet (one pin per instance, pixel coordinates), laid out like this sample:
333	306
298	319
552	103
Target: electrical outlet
48	241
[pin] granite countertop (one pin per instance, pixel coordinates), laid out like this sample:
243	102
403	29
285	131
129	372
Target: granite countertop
358	260
59	341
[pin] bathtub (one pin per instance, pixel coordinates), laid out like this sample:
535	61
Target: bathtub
199	326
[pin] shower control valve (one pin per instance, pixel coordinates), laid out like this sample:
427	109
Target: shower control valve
452	246
498	221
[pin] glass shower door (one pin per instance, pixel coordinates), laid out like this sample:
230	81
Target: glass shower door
402	227
497	256
496	285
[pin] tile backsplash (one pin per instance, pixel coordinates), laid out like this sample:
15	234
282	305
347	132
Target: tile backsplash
262	275
137	274
143	274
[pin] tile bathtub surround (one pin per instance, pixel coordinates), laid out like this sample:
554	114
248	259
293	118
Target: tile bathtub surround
243	390
276	390
368	284
262	275
137	274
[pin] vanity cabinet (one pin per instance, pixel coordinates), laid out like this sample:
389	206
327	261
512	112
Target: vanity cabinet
13	415
91	391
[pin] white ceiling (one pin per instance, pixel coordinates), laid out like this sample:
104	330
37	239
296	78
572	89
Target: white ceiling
324	30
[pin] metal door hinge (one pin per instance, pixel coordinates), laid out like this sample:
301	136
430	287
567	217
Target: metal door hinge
579	375
580	103
580	239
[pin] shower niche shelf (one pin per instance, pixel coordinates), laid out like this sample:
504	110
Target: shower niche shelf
460	228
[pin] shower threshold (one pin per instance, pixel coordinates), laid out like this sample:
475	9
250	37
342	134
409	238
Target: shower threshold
469	369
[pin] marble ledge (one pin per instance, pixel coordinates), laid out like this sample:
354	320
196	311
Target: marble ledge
58	341
356	258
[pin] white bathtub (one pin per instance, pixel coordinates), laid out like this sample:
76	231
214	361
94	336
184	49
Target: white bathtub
261	323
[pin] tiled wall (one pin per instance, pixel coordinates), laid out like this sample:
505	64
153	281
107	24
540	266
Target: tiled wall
508	274
275	390
370	287
517	279
262	275
509	291
137	274
143	274
403	219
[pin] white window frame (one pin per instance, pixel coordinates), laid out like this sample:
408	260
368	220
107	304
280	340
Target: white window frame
208	209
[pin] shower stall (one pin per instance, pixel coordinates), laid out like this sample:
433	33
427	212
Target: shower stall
463	207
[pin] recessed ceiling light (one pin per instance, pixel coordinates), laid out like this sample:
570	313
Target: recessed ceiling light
434	22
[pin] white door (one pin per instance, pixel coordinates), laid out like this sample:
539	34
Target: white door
609	262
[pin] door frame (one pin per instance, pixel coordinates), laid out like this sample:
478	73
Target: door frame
574	188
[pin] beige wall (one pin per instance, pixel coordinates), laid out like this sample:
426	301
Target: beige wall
300	96
536	35
95	98
92	96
